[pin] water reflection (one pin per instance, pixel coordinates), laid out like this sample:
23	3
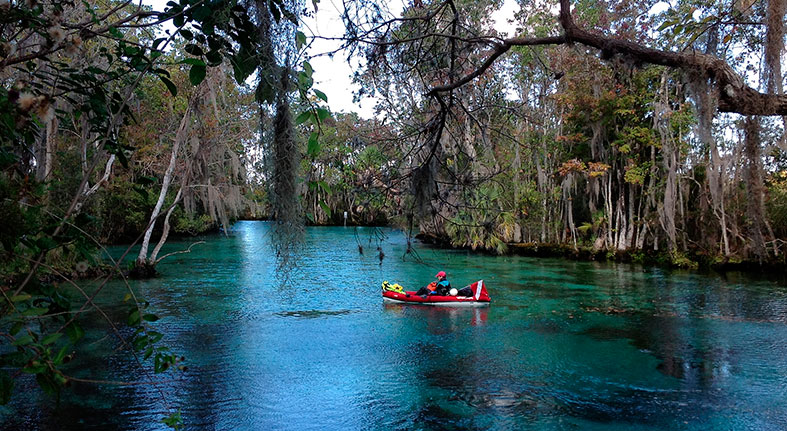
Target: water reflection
564	345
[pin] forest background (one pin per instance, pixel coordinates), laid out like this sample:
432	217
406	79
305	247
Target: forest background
647	131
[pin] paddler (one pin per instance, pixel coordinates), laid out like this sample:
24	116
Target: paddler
439	287
443	285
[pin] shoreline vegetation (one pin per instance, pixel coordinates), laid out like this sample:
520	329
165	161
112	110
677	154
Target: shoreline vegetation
597	129
683	260
691	260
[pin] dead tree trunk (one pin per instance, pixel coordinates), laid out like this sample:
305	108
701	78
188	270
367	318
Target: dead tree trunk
144	265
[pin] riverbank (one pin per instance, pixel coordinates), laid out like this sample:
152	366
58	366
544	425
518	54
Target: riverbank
683	260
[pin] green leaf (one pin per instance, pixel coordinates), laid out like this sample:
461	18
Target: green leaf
121	155
6	387
150	317
173	420
146	180
115	32
173	90
142	192
300	39
23	340
141	342
35	311
265	92
47	384
193	61
46	243
303	117
51	338
75	332
16	328
197	74
158	42
313	148
214	58
186	34
21	297
323	185
194	50
290	16
304	81
307	68
133	318
34	367
325	208
320	94
58	359
244	63
274	9
155	336
323	113
201	12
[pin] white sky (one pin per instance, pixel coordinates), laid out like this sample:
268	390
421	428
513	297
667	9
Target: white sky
333	76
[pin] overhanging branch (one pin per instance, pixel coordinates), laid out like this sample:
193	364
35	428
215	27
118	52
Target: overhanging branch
734	95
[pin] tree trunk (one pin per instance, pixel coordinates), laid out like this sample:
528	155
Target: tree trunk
166	227
180	136
755	207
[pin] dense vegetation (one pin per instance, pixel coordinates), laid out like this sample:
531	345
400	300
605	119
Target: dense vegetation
559	143
618	129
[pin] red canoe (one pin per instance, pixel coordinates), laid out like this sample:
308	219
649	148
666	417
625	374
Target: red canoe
479	299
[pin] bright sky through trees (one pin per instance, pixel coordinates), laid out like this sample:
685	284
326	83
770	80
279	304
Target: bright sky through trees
333	75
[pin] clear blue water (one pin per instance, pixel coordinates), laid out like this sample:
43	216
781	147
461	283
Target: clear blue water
564	346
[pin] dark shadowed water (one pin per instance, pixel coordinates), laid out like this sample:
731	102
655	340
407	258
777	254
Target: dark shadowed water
564	346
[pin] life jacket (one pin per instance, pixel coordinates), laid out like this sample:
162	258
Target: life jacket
392	287
443	287
432	286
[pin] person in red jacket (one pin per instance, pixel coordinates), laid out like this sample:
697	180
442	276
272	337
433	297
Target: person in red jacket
439	287
443	285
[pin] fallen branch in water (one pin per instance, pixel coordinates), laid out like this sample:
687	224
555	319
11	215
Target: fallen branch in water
188	250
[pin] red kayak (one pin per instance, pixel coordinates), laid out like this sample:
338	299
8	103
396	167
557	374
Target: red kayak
479	299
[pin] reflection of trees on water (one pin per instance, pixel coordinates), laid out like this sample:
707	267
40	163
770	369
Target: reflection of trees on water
89	405
705	334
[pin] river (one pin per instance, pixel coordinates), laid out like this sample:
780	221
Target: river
564	345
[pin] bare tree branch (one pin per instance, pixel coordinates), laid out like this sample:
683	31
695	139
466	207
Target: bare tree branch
734	95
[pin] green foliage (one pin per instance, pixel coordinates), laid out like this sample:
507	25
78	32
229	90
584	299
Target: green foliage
637	174
174	420
638	257
85	73
191	224
680	260
777	203
481	227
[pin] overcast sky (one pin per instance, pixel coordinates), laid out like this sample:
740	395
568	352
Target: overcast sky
333	75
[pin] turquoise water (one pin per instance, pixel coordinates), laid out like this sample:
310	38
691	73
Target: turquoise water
564	346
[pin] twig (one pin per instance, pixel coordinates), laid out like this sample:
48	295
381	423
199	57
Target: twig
188	250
